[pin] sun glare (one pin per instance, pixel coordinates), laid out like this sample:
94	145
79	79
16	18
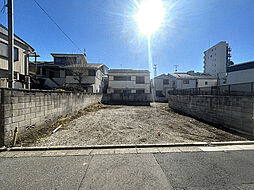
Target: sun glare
150	16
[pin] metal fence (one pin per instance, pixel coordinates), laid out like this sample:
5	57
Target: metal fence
243	89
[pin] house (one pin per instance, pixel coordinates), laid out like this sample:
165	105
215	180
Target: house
160	87
128	86
217	59
69	59
80	75
240	73
128	81
21	60
192	80
90	76
52	74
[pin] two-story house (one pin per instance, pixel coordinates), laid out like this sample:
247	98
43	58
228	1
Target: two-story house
21	60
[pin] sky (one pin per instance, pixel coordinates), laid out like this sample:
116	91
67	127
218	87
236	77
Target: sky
108	32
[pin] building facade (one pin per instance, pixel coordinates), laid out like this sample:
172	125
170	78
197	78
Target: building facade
90	76
240	73
128	81
193	80
160	87
217	59
21	60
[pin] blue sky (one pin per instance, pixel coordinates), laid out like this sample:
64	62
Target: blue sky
107	31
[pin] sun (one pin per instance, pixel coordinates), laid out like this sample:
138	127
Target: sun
150	16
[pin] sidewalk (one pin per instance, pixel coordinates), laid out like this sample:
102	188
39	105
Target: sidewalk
195	167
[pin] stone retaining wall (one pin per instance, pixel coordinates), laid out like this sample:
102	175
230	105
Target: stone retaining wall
26	109
228	111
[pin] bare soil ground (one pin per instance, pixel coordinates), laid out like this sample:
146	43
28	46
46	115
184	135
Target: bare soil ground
134	125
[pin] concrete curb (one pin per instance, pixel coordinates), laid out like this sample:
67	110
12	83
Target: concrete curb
3	148
123	146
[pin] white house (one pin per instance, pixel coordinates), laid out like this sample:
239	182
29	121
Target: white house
90	76
192	80
128	81
160	87
217	59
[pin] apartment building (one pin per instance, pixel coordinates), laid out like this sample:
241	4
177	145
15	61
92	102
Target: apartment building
217	59
22	50
128	81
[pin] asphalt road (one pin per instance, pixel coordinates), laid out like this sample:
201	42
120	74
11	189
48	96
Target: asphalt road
175	170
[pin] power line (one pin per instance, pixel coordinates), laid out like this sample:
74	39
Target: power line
58	26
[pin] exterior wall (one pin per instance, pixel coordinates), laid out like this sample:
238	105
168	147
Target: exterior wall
26	108
242	76
181	85
215	60
129	84
157	85
210	82
80	59
20	66
127	99
234	112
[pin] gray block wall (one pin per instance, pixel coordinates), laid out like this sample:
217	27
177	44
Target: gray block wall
234	112
127	99
26	108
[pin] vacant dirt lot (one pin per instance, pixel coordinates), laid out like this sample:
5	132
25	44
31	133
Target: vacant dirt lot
135	124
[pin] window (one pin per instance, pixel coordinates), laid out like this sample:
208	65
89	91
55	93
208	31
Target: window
127	91
4	51
140	91
165	81
186	81
122	78
16	54
159	93
140	80
206	83
65	60
91	73
118	91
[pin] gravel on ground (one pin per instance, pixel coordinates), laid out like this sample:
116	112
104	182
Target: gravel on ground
119	124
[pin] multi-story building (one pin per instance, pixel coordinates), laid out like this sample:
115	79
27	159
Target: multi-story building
128	81
217	59
22	50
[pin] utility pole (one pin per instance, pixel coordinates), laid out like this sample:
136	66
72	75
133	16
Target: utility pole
10	44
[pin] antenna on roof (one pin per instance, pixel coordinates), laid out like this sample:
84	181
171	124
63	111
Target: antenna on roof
176	66
155	70
84	52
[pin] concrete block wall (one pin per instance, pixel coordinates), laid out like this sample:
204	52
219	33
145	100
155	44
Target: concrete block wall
31	108
127	99
236	112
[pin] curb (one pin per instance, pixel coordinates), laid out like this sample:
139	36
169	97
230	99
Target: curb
3	148
123	146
